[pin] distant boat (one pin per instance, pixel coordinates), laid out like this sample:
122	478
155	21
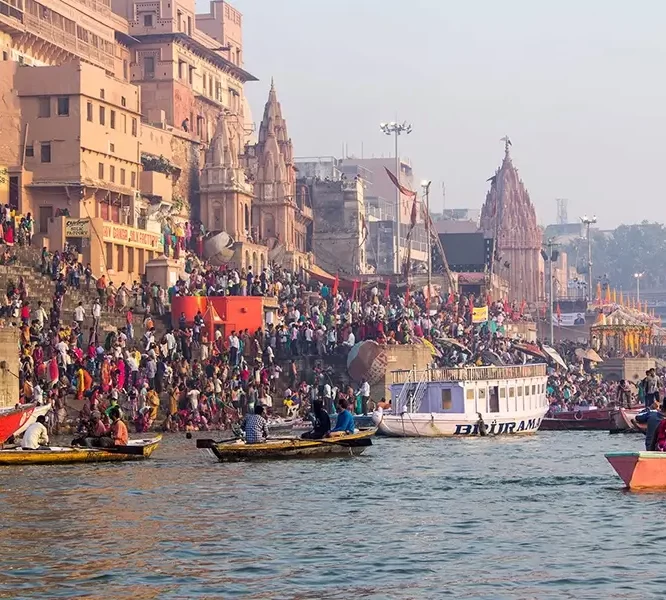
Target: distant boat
53	455
351	444
469	401
640	470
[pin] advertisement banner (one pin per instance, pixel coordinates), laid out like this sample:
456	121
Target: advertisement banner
77	228
4	185
479	314
575	319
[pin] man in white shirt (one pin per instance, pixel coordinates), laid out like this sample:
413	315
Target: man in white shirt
351	340
170	344
364	391
40	315
234	345
80	314
36	435
96	313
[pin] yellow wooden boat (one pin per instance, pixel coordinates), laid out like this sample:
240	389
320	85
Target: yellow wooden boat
351	444
53	455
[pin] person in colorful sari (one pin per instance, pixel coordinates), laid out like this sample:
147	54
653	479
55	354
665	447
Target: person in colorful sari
83	382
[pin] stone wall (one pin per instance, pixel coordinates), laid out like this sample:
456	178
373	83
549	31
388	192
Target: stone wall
9	367
10	117
186	154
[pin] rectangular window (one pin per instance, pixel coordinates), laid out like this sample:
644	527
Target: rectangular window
44	107
121	257
148	67
104	210
89	111
470	394
112	119
190	76
181	69
109	255
63	106
123	101
102	115
130	260
124	123
101	93
30	151
447	402
100	170
142	260
112	173
482	393
132	179
512	392
112	147
46	152
134	127
122	176
502	392
147	20
533	390
125	69
519	391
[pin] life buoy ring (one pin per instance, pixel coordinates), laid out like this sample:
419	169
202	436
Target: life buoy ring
578	415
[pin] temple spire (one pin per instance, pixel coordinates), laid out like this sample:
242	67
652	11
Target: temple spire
507	143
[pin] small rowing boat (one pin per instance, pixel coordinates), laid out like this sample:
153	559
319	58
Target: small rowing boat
351	444
623	421
640	470
53	455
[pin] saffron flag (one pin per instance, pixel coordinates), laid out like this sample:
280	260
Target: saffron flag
402	188
479	314
523	306
336	284
354	288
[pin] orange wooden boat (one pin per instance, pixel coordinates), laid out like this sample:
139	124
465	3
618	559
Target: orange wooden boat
640	470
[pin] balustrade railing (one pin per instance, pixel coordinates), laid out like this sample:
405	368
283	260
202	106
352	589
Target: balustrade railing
470	373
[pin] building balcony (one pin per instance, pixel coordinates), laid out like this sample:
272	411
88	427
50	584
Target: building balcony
11	16
68	42
153	183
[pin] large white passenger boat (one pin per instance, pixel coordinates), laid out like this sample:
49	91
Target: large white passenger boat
467	401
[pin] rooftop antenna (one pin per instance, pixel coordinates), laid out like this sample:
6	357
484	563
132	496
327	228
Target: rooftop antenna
443	196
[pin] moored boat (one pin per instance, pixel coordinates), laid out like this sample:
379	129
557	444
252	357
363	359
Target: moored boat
135	450
14	421
237	450
623	421
584	418
466	401
640	470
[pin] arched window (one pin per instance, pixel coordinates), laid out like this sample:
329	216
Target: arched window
247	218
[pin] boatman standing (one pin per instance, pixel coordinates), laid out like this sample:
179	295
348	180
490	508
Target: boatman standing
652	417
36	435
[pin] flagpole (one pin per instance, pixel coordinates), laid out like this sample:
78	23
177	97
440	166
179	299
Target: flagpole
425	184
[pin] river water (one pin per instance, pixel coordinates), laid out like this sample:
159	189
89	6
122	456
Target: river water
536	517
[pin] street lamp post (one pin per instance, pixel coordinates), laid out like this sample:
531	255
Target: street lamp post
549	257
638	286
425	184
587	221
396	129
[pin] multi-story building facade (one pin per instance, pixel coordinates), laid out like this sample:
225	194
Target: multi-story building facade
120	121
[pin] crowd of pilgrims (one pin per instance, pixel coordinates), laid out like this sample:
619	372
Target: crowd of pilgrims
185	379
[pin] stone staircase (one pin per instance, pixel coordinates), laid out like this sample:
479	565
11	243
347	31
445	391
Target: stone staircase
41	287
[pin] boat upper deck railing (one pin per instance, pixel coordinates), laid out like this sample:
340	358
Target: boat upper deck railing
473	373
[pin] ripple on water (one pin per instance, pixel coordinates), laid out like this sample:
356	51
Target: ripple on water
540	517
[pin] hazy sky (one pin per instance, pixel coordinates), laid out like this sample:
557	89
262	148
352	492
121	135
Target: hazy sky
579	86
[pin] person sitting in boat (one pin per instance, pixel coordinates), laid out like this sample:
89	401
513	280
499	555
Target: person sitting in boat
118	429
255	426
95	432
383	404
321	422
653	418
36	435
345	422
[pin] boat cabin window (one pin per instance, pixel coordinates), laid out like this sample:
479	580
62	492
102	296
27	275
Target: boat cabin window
502	392
512	392
447	402
533	390
519	391
482	393
470	393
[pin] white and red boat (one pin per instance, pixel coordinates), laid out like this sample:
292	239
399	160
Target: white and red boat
622	421
14	421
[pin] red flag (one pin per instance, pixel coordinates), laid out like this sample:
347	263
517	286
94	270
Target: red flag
451	300
354	288
336	283
387	289
523	305
412	220
489	299
402	188
407	296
